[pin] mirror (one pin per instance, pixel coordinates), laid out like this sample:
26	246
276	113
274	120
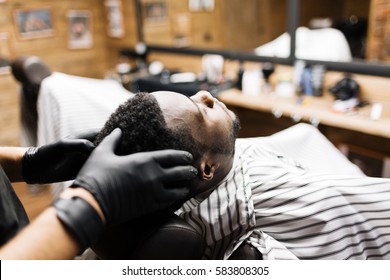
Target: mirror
333	30
328	30
344	35
233	25
171	26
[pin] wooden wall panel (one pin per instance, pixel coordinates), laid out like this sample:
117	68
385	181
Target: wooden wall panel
93	62
263	20
9	111
358	8
236	22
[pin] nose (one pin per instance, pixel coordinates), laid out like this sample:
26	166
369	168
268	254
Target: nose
204	97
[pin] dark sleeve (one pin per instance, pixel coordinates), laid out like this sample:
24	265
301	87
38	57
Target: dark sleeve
13	217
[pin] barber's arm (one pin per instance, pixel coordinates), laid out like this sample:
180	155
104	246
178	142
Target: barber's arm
11	161
55	162
47	237
109	189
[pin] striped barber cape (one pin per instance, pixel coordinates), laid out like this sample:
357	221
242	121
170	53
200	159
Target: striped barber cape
288	211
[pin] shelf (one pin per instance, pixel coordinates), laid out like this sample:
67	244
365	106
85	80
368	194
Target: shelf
310	109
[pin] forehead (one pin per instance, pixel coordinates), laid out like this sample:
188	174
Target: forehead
175	106
168	98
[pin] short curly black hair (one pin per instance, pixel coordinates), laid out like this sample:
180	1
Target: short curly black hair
144	129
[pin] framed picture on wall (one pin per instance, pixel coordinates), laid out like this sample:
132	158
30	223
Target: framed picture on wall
115	27
5	54
34	23
154	11
79	29
201	5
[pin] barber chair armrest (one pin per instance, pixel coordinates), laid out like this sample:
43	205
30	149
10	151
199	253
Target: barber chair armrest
246	252
29	71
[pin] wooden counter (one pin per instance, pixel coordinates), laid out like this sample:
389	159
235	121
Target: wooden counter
310	109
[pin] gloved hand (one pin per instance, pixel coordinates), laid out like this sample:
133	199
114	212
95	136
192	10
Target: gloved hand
59	161
130	186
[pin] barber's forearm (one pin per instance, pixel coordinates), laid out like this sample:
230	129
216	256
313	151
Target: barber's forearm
40	240
11	161
45	238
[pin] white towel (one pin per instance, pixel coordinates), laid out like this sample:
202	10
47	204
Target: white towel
69	104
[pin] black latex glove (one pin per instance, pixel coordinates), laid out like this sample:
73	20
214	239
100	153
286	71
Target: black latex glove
59	161
127	187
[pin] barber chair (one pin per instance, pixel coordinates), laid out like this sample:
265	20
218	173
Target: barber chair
151	238
159	237
29	71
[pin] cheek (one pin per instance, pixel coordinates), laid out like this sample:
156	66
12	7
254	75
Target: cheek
224	129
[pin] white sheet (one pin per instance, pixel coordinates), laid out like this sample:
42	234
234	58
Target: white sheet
69	104
307	145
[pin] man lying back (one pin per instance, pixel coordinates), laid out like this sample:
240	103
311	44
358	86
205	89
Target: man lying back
247	194
200	124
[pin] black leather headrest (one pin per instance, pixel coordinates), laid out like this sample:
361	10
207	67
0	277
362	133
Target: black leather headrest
29	70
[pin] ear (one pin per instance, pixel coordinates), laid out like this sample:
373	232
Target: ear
207	170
